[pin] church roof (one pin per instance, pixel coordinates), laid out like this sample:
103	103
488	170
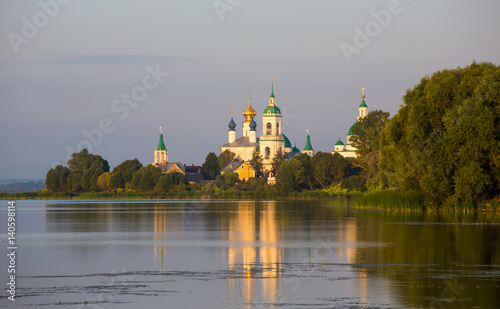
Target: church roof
161	144
172	167
272	109
363	104
243	141
339	143
308	145
287	142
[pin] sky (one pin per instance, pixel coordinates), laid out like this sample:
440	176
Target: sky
107	74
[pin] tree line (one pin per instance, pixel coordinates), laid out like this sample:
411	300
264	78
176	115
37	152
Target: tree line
443	144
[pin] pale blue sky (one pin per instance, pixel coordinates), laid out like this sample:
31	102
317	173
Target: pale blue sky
65	77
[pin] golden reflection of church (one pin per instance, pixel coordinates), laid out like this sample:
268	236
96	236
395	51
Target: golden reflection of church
254	253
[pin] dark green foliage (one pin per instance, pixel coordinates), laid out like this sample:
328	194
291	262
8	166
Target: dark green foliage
444	142
227	179
366	134
85	170
122	173
211	167
256	164
225	158
295	175
354	182
328	168
56	179
170	180
278	159
146	178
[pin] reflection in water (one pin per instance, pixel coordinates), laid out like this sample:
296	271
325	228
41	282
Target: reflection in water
254	253
160	234
408	260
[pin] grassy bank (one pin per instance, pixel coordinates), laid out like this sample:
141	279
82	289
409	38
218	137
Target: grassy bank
199	194
414	201
391	200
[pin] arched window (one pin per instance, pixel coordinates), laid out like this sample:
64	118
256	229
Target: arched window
268	128
277	128
268	152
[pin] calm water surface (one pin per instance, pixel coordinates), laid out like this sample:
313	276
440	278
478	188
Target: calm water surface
249	254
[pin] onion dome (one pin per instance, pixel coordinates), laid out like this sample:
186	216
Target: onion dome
363	104
295	149
253	125
249	112
231	125
339	142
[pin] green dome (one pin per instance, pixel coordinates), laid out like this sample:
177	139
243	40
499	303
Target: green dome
339	143
273	110
363	104
287	142
295	149
352	127
161	144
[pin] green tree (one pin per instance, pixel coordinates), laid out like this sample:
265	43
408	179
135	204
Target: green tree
146	178
56	179
103	182
328	169
122	173
295	175
278	159
227	179
225	158
256	164
170	180
445	140
366	132
85	170
211	167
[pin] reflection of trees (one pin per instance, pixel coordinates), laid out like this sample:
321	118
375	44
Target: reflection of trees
437	261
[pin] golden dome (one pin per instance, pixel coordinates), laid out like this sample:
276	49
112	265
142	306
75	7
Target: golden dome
249	112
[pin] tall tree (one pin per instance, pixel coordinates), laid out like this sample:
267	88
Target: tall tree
211	167
327	168
256	163
366	132
85	170
278	159
225	158
445	140
56	179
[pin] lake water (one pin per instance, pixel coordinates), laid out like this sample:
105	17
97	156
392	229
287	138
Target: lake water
248	254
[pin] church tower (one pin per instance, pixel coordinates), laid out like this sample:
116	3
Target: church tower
249	113
308	149
272	140
161	152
